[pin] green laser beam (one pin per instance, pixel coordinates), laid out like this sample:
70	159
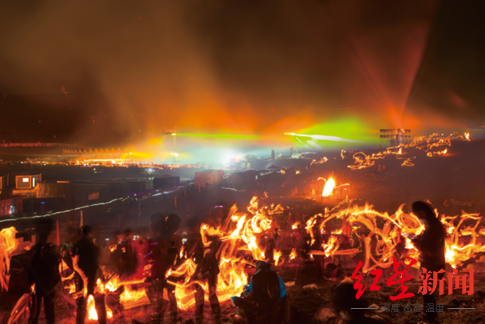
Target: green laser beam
224	136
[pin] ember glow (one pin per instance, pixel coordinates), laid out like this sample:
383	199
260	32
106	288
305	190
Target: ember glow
131	298
430	145
239	238
8	244
91	310
328	188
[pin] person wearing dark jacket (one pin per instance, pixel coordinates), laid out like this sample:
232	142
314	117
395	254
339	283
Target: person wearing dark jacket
159	260
87	254
431	245
44	273
265	299
207	270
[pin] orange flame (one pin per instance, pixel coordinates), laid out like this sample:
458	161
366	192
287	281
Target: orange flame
328	188
242	232
8	244
423	143
91	310
133	298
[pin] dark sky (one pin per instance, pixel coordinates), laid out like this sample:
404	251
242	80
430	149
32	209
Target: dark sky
254	66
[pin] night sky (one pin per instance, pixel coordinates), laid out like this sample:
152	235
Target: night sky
253	67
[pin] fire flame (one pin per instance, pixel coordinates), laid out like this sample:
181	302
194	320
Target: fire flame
389	236
241	235
91	310
328	188
131	298
8	244
423	143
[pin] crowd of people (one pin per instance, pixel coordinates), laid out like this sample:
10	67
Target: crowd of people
144	259
147	258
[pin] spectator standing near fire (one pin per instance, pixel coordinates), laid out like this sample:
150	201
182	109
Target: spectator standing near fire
431	245
159	260
207	270
87	254
44	272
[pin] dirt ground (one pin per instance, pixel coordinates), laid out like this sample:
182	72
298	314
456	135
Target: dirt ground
458	176
313	304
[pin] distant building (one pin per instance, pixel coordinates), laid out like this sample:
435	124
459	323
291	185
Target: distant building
206	178
396	136
25	181
10	205
166	182
3	182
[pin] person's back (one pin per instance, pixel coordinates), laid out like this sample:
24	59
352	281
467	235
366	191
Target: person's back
45	267
266	287
431	243
141	248
44	272
88	253
266	294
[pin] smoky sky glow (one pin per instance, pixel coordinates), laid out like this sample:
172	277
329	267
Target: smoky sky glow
246	72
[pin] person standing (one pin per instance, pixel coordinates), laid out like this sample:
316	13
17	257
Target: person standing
431	244
87	254
159	260
207	270
43	271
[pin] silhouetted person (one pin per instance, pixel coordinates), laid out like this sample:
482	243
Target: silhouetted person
172	251
269	246
431	244
207	270
87	253
128	260
345	304
141	248
160	261
44	272
265	299
68	246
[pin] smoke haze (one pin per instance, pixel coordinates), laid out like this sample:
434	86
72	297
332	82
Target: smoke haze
252	67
